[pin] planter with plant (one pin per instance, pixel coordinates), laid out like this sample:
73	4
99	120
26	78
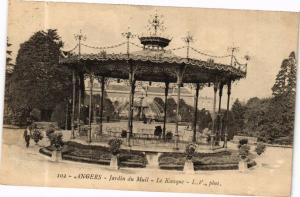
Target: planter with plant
57	143
169	136
243	153
114	148
260	148
36	136
123	134
242	142
50	129
190	150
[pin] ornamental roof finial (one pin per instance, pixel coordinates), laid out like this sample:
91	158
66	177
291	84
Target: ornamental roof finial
156	24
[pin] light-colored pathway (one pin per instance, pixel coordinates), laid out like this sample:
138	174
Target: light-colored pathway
21	166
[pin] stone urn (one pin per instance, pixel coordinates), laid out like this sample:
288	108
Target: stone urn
114	148
190	150
243	154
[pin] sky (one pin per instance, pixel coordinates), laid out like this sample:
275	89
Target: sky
267	37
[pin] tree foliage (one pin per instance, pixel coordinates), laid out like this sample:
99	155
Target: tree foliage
38	79
285	83
204	119
108	106
281	112
171	109
256	111
272	118
9	64
238	113
159	101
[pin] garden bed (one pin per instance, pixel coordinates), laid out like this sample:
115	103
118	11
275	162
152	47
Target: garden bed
45	151
225	160
97	155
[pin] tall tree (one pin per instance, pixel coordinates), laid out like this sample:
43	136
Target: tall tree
291	81
8	73
238	112
279	120
256	111
285	82
39	81
9	64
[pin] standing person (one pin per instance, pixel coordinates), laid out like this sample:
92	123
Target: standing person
27	135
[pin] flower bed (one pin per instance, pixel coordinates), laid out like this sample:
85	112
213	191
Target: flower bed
45	151
98	155
171	161
225	160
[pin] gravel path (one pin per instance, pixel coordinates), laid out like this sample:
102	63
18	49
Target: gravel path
21	166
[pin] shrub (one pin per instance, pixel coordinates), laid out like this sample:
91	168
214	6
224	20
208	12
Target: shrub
169	135
36	136
50	130
114	146
208	139
283	140
36	114
123	134
56	140
158	131
260	148
243	142
190	151
244	151
59	114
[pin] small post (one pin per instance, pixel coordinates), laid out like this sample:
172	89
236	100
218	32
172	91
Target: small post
227	113
196	111
73	105
80	37
131	79
90	107
165	108
132	107
179	82
214	115
67	113
101	105
219	111
188	40
79	104
94	114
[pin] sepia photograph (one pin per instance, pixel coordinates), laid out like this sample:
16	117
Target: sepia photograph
149	98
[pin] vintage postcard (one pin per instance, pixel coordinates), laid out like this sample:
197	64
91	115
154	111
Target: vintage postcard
149	98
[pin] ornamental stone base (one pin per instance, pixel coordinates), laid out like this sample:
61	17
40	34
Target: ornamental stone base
152	159
188	166
243	167
56	156
114	164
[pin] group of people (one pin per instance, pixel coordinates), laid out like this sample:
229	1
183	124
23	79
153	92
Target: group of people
28	132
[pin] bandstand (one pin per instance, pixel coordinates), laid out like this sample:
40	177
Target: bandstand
153	63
